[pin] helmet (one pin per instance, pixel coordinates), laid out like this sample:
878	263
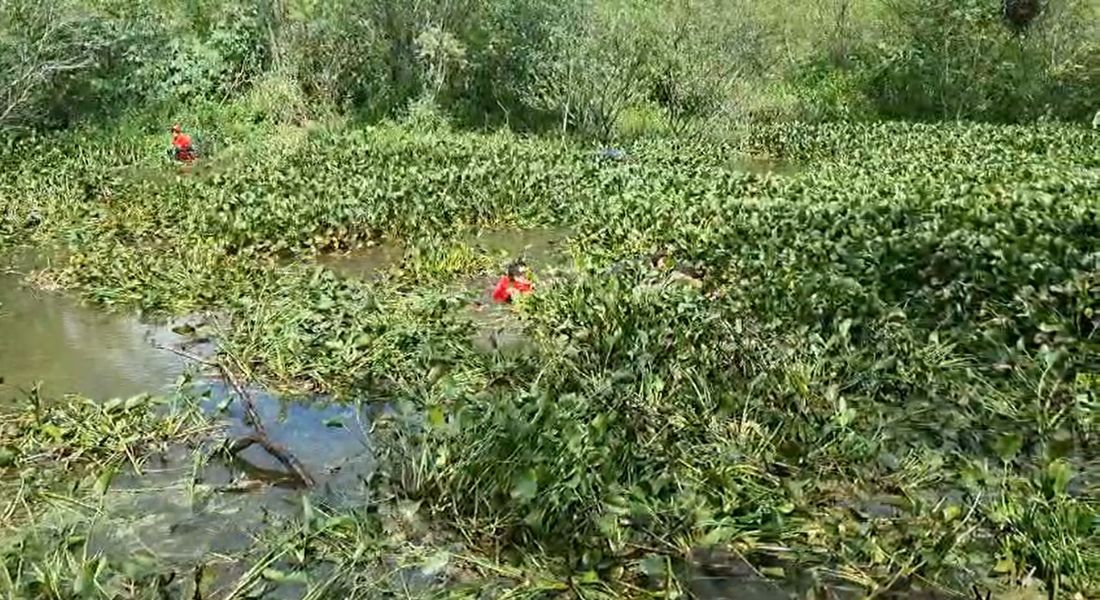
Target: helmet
515	268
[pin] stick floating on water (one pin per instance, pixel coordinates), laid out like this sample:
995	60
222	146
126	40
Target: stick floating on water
252	418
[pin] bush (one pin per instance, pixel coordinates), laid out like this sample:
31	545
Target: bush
46	52
958	60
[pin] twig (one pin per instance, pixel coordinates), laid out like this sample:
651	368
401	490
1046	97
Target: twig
251	418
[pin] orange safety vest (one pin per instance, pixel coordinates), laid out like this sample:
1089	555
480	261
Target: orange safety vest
182	143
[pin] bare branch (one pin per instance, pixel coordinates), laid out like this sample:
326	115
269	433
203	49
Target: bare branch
251	418
37	53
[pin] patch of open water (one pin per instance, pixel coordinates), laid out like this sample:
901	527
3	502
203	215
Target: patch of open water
72	348
498	329
173	509
539	248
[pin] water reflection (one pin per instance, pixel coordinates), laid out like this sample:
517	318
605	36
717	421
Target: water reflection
183	509
71	348
189	503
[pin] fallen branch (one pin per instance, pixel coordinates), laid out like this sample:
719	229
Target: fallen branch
278	451
251	418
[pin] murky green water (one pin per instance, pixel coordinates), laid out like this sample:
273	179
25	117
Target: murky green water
365	262
182	510
174	510
498	328
539	248
70	348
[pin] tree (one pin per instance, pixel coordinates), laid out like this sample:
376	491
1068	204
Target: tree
704	49
593	69
440	53
41	45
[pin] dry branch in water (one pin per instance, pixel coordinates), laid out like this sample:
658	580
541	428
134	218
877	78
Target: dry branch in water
252	419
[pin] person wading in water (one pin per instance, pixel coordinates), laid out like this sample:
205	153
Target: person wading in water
511	284
182	149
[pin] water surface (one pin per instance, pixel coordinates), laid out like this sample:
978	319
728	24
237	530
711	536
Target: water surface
75	349
539	248
365	262
176	509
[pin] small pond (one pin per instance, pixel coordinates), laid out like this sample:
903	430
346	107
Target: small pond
72	348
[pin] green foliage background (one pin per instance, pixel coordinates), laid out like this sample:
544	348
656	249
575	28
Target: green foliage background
871	383
582	66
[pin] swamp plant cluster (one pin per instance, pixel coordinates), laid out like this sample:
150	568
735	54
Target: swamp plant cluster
874	378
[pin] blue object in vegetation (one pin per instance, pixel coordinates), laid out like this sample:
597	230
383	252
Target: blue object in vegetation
612	154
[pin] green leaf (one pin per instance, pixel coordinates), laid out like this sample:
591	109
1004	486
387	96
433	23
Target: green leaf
184	330
845	327
773	572
718	535
340	521
85	583
103	482
952	512
1008	446
436	418
1056	478
7	457
526	487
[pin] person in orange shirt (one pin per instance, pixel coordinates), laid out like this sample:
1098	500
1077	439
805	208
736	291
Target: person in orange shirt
182	150
511	284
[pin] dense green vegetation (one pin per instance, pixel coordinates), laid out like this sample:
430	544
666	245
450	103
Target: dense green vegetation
875	380
58	462
594	67
869	372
